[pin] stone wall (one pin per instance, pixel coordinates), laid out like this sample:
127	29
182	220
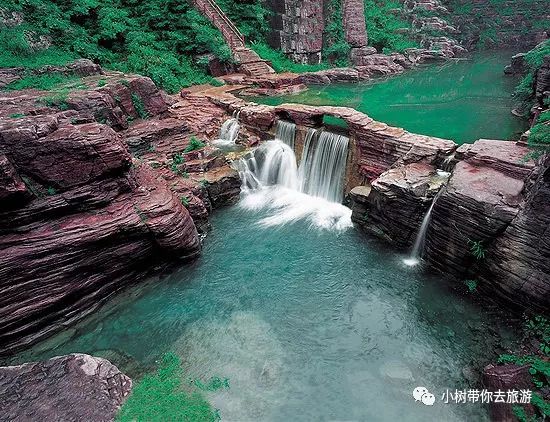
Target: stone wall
297	29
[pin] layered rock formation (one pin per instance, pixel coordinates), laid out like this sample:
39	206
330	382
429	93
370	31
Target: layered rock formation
67	388
518	263
80	217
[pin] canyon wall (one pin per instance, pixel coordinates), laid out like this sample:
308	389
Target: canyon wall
516	24
92	196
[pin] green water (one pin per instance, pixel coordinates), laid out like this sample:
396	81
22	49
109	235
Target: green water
461	100
306	324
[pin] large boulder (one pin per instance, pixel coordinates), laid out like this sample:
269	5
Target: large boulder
68	388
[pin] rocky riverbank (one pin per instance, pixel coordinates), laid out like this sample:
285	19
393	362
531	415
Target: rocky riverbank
98	184
75	387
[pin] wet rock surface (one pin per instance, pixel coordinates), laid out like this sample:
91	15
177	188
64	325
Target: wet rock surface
75	388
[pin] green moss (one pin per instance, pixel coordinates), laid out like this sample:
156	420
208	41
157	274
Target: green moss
161	397
17	115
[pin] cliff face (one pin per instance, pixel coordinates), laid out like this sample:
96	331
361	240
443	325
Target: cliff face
500	23
518	263
80	217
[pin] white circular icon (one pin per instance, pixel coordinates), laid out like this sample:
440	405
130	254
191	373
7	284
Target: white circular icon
422	394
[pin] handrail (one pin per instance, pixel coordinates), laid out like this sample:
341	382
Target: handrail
234	31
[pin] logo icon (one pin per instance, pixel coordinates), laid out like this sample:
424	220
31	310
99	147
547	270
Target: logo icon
422	394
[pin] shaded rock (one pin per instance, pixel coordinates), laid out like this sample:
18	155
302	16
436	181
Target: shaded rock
517	266
517	65
223	186
505	378
481	199
75	388
397	202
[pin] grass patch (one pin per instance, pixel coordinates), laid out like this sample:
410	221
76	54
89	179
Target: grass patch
162	397
44	82
282	63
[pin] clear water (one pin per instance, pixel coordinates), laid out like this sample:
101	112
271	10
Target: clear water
307	324
463	100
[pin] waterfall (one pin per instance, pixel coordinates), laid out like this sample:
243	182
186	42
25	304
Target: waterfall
323	165
286	132
418	247
229	131
314	191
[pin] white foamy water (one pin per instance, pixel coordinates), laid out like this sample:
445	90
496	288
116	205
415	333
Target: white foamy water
272	180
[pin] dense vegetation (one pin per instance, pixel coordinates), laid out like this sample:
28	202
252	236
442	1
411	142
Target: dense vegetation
157	38
538	331
525	92
163	397
384	27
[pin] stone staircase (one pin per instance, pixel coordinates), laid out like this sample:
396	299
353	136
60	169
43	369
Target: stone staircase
250	63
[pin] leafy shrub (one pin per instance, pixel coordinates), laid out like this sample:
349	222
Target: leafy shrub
161	397
471	284
184	201
477	249
17	115
384	27
525	92
156	38
335	48
194	144
139	106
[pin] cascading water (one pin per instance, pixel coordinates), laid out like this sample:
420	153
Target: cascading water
323	165
418	248
229	131
272	180
286	132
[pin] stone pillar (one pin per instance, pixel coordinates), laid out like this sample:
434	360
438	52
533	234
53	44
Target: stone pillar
355	28
297	29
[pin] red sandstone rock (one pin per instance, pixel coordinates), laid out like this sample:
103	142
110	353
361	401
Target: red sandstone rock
75	387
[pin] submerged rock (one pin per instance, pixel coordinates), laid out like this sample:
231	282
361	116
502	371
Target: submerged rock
75	387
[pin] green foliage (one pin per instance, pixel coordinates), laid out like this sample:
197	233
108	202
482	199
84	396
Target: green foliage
539	327
539	135
282	63
477	249
156	38
471	284
45	82
177	160
139	106
385	28
184	201
17	115
335	49
57	99
161	397
525	91
194	144
251	17
101	82
51	190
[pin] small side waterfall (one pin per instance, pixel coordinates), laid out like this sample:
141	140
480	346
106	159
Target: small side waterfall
418	247
323	165
229	131
286	132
